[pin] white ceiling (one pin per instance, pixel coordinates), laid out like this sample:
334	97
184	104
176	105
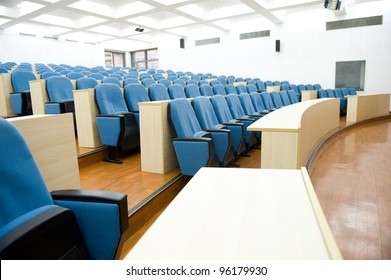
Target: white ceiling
96	21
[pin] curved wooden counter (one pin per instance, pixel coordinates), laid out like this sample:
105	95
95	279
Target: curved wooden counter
290	134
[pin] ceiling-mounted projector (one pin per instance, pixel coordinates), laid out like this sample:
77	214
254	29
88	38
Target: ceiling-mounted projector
139	29
333	4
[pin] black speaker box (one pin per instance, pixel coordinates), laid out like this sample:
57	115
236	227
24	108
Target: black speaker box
182	43
278	45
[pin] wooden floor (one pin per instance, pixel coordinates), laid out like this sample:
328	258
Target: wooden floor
351	176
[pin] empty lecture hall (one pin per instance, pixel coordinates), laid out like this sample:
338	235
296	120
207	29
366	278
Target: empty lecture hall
238	132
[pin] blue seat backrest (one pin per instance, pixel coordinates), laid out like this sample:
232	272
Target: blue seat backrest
276	99
110	99
59	88
241	89
158	92
293	96
192	91
147	82
96	76
176	91
223	81
20	80
267	101
322	93
205	113
330	93
135	93
180	82
128	81
257	102
192	82
345	92
74	75
309	87
230	88
285	98
294	88
84	83
317	86
268	83
251	88
300	88
285	87
338	93
22	188
230	80
235	106
221	108
184	118
3	70
247	104
260	85
219	89
165	82
352	91
206	90
276	83
112	80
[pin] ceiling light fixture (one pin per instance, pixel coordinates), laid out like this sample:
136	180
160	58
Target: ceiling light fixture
139	29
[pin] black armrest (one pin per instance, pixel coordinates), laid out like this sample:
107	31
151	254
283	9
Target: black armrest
98	197
219	130
195	139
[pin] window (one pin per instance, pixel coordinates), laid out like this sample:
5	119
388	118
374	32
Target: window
350	74
113	59
145	59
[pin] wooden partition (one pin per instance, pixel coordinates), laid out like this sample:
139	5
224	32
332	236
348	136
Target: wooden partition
290	134
6	88
309	95
241	214
368	106
156	134
39	96
51	139
273	88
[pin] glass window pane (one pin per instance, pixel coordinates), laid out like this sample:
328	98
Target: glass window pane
152	54
139	56
118	59
153	64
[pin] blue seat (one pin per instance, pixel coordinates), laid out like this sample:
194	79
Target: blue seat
21	98
96	76
128	81
192	91
165	82
221	135
193	146
241	89
60	92
258	103
237	126
260	86
3	70
135	93
147	82
63	224
317	86
180	82
117	126
342	104
158	92
285	87
214	82
248	106
48	74
206	90
352	91
230	88
192	82
176	91
251	88
219	89
85	83
203	82
276	98
74	75
309	87
112	80
285	98
223	80
293	96
322	93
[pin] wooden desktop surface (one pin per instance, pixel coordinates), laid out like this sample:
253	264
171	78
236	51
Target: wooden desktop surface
239	213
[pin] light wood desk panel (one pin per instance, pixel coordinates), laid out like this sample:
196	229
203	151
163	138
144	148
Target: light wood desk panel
238	213
156	134
309	95
289	134
273	88
363	107
6	88
86	111
51	139
39	96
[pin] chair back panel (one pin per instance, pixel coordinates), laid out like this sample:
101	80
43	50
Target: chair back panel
135	93
110	99
20	80
184	118
59	88
205	113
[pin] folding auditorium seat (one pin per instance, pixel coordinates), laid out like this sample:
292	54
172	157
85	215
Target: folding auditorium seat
128	81
203	82
179	82
221	135
293	96
176	91
74	75
85	83
258	103
117	126
223	80
219	90
147	82
352	91
260	86
276	83
322	93
21	98
192	91
241	89
158	76
285	87
193	146
225	117
248	106
230	80
112	80
3	70
251	88
268	83
309	87
214	82
158	92
342	105
135	93
345	92
60	92
277	101
300	88
165	82
239	79
96	76
267	101
206	90
48	74
230	88
285	98
317	86
192	82
344	100
63	224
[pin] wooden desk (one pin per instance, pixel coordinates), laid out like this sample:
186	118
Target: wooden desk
309	95
239	83
290	134
51	139
157	151
39	96
6	109
368	106
238	213
273	88
86	111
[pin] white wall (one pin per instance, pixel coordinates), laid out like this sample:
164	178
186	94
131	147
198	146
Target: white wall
308	52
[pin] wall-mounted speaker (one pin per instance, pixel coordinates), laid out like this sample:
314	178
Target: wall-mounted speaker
182	43
278	45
